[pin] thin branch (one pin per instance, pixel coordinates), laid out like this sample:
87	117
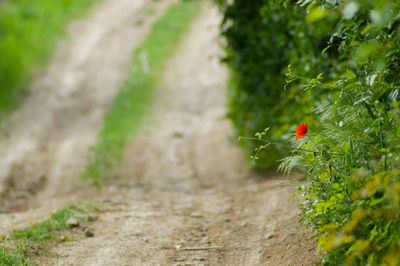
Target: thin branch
280	144
288	146
201	248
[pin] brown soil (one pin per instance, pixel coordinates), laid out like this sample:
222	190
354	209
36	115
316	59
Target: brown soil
184	184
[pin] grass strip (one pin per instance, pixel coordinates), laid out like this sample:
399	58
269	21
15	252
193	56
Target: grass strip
58	221
44	230
29	31
22	243
124	118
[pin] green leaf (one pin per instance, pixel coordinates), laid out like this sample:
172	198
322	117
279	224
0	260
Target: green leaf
316	14
377	201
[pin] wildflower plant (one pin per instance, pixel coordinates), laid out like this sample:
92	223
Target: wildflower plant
346	88
352	200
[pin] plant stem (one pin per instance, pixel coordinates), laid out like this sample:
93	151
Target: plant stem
291	147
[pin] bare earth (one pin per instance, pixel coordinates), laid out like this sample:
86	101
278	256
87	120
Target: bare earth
185	195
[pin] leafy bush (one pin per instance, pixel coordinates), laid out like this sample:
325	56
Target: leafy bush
349	99
262	39
353	199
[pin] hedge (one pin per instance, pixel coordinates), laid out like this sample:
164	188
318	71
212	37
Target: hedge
262	39
333	65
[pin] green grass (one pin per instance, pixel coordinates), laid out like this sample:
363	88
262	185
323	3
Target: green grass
22	243
15	256
44	230
124	118
58	221
29	31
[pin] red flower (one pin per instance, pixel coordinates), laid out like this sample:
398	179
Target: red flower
301	130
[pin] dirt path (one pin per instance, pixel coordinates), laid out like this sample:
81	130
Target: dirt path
44	145
184	184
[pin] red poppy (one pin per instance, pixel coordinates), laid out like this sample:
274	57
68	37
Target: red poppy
301	130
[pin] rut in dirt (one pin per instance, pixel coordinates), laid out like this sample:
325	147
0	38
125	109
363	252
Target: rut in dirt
44	144
185	195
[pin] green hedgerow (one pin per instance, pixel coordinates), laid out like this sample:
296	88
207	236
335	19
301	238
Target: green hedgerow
353	199
262	39
341	60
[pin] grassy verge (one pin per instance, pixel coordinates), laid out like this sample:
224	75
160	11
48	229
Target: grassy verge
29	31
135	96
58	221
14	256
30	242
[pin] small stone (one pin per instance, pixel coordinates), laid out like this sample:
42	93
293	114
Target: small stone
205	240
244	224
269	235
196	215
283	237
72	222
87	232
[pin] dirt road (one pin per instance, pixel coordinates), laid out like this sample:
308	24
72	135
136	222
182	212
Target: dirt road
185	195
185	184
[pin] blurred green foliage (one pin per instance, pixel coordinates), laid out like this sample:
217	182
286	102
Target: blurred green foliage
262	39
350	100
29	30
